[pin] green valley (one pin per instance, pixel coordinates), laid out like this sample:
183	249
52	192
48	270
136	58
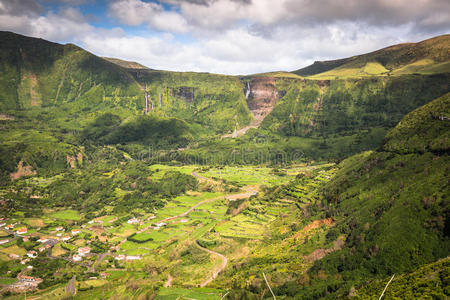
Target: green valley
119	181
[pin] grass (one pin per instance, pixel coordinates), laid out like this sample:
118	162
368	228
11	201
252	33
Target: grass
35	222
68	214
6	281
92	283
347	71
246	175
57	250
185	294
14	250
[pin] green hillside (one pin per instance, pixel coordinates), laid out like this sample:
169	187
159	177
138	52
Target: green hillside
64	89
390	210
125	64
426	57
39	74
320	184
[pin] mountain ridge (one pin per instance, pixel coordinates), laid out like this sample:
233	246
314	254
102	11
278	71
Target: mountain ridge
397	53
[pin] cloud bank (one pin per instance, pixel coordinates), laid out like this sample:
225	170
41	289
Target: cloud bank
229	36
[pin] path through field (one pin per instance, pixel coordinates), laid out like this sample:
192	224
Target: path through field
70	287
169	281
216	271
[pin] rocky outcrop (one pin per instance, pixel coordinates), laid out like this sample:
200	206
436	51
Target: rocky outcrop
22	171
262	97
186	93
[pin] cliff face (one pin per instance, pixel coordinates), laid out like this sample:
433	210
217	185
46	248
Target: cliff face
186	93
262	95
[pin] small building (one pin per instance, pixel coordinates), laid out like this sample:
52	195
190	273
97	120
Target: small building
2	224
32	254
76	231
120	257
84	251
59	228
133	257
159	225
65	238
59	234
42	249
42	240
29	279
14	256
3	241
22	230
133	221
10	226
76	257
25	261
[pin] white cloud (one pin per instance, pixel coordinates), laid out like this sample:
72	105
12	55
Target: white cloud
67	25
136	12
239	52
234	36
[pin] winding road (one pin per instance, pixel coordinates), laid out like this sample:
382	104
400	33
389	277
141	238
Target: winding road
217	270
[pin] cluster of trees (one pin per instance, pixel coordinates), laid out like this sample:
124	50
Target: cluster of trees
109	129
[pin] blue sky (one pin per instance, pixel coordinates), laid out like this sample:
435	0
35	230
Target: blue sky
227	36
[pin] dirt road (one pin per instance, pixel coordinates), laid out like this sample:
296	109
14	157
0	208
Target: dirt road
216	270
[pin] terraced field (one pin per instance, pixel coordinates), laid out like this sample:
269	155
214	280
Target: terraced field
190	239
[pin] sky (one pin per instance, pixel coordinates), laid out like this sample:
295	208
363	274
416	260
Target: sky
227	36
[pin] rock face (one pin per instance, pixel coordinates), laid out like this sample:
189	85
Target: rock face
262	97
22	171
184	92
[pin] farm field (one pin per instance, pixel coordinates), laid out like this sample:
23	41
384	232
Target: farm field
223	210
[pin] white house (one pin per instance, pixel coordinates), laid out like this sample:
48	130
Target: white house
22	230
76	231
3	242
77	257
120	257
133	221
84	251
32	254
133	257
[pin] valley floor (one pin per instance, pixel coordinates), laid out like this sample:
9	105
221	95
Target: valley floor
184	245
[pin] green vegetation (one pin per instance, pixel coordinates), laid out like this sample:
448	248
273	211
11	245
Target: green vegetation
428	282
343	183
66	215
396	60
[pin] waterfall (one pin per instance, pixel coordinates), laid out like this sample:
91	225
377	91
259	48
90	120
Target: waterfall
146	102
247	91
160	103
